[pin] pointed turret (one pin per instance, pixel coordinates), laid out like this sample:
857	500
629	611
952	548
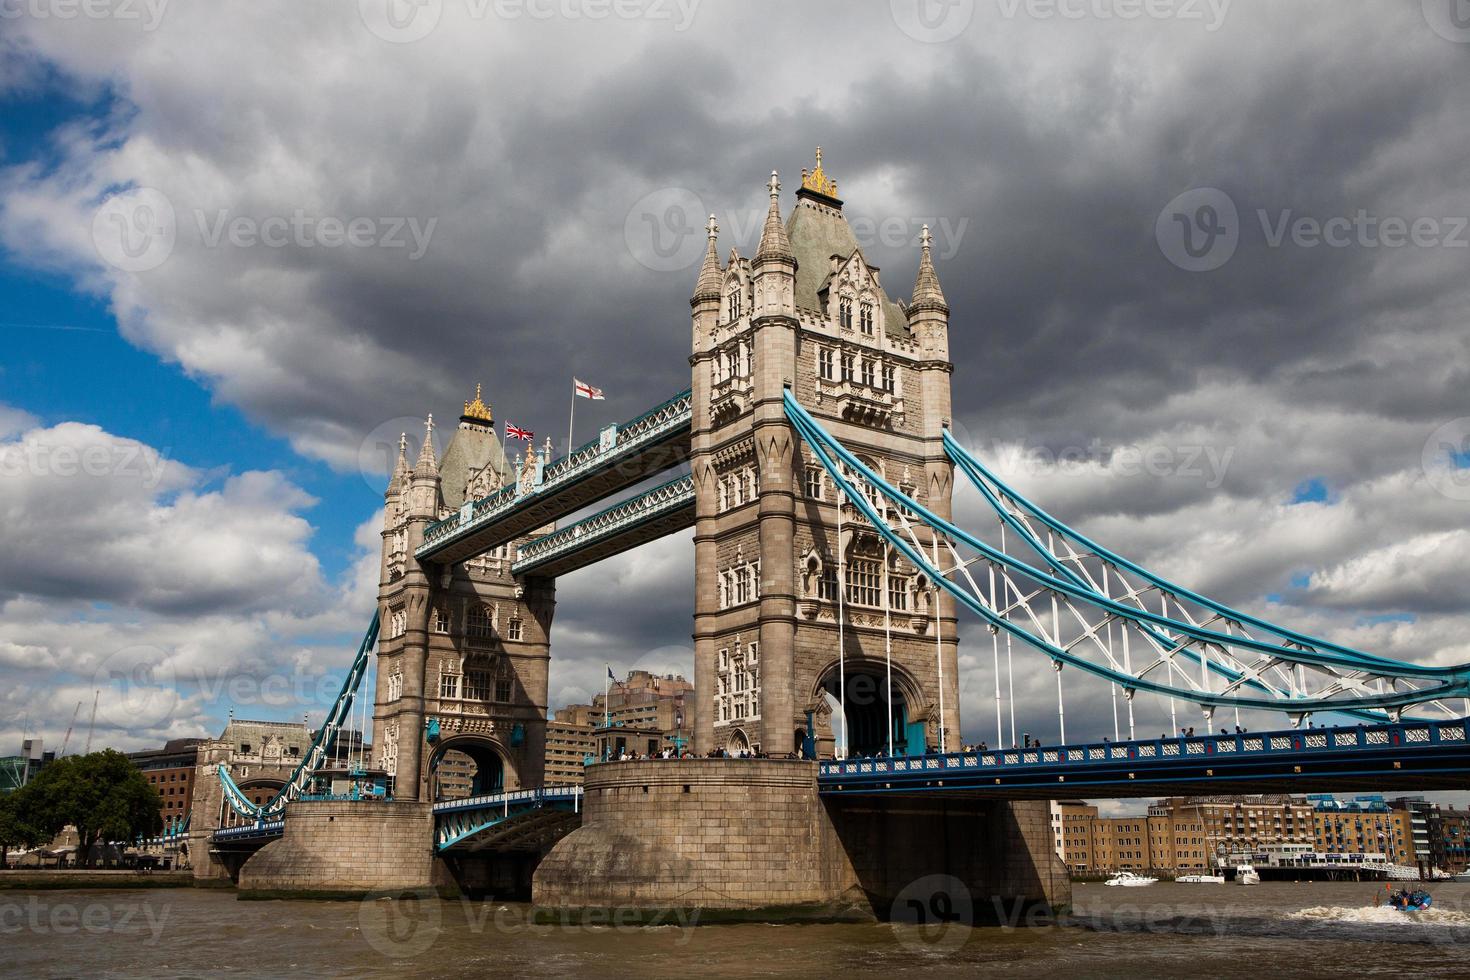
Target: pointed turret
927	294
710	277
427	465
401	472
775	245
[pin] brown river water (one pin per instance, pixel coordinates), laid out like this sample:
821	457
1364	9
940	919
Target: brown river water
1200	931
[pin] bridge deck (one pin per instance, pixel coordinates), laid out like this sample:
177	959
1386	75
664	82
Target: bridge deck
1417	756
658	512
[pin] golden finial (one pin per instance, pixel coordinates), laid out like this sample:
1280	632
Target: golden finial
817	180
478	410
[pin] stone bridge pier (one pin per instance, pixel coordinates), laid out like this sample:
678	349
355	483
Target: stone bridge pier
751	838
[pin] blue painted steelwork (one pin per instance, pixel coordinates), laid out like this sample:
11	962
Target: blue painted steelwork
633	437
321	745
1406	750
256	831
1452	681
456	821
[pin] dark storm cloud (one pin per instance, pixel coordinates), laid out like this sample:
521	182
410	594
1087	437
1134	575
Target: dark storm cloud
1053	145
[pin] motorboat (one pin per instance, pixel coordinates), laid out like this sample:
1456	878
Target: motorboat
1201	879
1410	901
1245	874
1127	879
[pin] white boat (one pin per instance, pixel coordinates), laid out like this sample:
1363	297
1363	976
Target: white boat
1201	879
1247	875
1462	876
1127	879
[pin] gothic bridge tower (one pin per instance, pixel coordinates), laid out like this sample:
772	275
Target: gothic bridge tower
779	591
460	703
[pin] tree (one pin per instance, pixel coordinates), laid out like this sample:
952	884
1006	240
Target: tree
15	829
102	794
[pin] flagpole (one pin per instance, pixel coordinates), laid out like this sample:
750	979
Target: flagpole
570	417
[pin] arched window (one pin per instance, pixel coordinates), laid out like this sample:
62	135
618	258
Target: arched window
865	318
480	623
844	313
735	303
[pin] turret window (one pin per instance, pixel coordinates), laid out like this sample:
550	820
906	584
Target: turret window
734	304
844	313
441	620
890	378
513	630
847	367
815	482
868	375
865	318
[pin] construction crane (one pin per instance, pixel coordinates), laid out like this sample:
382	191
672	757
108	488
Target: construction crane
67	738
92	722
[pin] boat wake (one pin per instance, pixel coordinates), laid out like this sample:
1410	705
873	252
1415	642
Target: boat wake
1383	915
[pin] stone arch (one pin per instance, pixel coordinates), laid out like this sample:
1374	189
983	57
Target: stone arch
736	741
470	764
869	712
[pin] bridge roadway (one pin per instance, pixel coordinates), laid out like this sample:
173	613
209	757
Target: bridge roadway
1414	756
620	458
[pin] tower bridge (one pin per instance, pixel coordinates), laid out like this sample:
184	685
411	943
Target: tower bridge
829	577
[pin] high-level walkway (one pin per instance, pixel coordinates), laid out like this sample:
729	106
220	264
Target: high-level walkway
620	458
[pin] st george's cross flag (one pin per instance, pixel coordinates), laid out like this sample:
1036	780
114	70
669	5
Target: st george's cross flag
585	390
516	432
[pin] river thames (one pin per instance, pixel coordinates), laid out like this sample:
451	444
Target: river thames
1275	929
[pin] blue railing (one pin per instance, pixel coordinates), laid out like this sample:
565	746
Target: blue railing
265	828
1198	748
457	820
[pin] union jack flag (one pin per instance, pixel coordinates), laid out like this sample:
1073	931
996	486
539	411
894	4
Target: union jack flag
587	391
516	432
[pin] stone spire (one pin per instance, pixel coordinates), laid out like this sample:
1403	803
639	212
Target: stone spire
708	286
774	242
401	472
427	465
926	286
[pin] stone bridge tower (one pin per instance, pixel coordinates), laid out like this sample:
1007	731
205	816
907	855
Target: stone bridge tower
776	584
463	649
